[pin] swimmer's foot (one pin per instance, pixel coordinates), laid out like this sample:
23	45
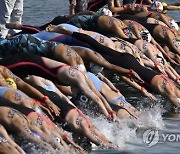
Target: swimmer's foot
14	25
58	29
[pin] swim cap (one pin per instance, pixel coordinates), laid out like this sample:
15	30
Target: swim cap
164	5
104	11
95	68
145	35
157	6
11	83
174	25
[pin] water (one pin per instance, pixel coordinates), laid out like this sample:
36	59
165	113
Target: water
129	134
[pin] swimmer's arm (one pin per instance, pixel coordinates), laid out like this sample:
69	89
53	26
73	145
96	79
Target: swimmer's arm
2	81
169	58
63	97
138	58
31	91
174	46
107	81
148	63
23	86
23	128
12	143
172	7
140	88
147	56
149	60
103	104
115	7
104	63
119	32
136	30
159	48
165	20
66	90
148	1
68	139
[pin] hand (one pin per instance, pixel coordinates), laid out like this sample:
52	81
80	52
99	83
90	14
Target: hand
47	111
52	107
134	76
177	80
80	149
117	91
115	118
161	69
146	93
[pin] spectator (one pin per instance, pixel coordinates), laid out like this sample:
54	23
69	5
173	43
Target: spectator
10	11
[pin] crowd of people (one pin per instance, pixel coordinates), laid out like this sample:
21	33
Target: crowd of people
54	73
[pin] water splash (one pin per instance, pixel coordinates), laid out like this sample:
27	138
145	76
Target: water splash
126	130
151	117
117	133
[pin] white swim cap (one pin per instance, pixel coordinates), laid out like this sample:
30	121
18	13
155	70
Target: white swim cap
145	35
95	68
157	6
174	25
104	11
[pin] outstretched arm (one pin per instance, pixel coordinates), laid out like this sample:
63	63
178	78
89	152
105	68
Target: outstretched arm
115	7
10	141
140	88
30	91
108	82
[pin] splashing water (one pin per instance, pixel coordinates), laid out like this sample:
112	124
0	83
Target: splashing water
126	130
151	118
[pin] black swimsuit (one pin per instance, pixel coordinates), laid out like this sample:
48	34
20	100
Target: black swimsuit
150	27
124	60
25	64
55	98
86	22
24	110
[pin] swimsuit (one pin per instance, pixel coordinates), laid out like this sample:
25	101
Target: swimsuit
124	60
122	101
31	65
57	37
55	98
24	110
3	90
86	22
96	81
26	43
